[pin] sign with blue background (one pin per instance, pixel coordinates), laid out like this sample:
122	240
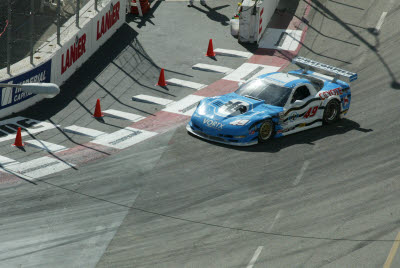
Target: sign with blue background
11	96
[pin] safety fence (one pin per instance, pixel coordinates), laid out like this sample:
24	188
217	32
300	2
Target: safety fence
61	52
25	25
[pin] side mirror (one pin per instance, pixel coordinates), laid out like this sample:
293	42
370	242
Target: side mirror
298	103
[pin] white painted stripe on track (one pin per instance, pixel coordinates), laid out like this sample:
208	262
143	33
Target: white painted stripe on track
380	22
278	215
250	70
5	161
47	146
184	83
31	126
212	68
185	106
151	99
124	138
232	53
255	257
93	133
123	115
39	167
282	39
302	170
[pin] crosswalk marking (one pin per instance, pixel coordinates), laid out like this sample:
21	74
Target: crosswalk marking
37	168
124	138
232	53
151	99
123	115
44	145
184	83
93	133
5	161
212	68
250	70
8	128
282	39
185	106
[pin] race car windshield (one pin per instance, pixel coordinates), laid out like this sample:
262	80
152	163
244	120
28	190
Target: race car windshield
270	93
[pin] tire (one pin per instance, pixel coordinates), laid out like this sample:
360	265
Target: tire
266	131
331	112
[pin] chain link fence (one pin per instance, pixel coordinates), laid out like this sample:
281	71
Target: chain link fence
27	24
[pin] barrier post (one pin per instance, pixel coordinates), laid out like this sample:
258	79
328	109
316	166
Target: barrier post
31	27
77	13
139	6
58	21
9	38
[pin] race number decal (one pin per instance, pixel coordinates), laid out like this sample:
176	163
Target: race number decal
311	112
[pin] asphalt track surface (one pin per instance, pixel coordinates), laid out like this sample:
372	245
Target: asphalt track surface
327	197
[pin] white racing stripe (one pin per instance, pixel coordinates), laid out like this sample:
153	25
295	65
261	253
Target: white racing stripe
124	138
8	128
151	99
250	70
232	53
44	145
212	68
184	83
123	115
93	133
282	39
37	168
185	106
5	161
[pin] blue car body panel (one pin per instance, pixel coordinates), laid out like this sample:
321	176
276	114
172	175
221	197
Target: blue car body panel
214	116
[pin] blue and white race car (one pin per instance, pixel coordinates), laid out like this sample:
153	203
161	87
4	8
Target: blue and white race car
274	105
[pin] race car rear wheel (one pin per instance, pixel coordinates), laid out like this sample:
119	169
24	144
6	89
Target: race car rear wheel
331	112
266	130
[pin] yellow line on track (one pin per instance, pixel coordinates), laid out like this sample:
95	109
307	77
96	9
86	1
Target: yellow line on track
392	252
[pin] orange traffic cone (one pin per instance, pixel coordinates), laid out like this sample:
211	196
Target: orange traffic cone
161	79
18	139
97	111
210	50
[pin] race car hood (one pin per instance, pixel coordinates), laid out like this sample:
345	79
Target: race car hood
231	107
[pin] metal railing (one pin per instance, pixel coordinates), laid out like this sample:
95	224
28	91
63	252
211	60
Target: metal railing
27	24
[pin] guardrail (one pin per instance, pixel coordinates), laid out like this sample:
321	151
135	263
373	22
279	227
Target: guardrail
55	62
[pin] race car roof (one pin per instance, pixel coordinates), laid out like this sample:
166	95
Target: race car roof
284	79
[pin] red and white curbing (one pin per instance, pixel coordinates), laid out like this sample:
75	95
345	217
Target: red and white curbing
284	42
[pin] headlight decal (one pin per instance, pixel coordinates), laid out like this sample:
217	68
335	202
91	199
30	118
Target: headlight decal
239	122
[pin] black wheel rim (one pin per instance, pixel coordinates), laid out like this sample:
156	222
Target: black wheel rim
331	111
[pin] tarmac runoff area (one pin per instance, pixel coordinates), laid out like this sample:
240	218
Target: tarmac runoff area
325	197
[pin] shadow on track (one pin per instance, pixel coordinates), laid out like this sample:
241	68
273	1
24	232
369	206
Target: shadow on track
322	9
307	137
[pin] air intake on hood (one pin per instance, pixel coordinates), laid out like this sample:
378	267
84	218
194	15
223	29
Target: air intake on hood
218	103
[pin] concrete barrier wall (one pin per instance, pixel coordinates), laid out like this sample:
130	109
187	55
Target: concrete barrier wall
265	10
55	63
253	24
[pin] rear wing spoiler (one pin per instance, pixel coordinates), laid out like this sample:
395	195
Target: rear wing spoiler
308	64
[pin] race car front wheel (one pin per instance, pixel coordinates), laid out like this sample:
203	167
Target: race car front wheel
331	112
266	130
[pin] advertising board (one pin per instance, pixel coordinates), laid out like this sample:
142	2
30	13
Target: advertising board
11	96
